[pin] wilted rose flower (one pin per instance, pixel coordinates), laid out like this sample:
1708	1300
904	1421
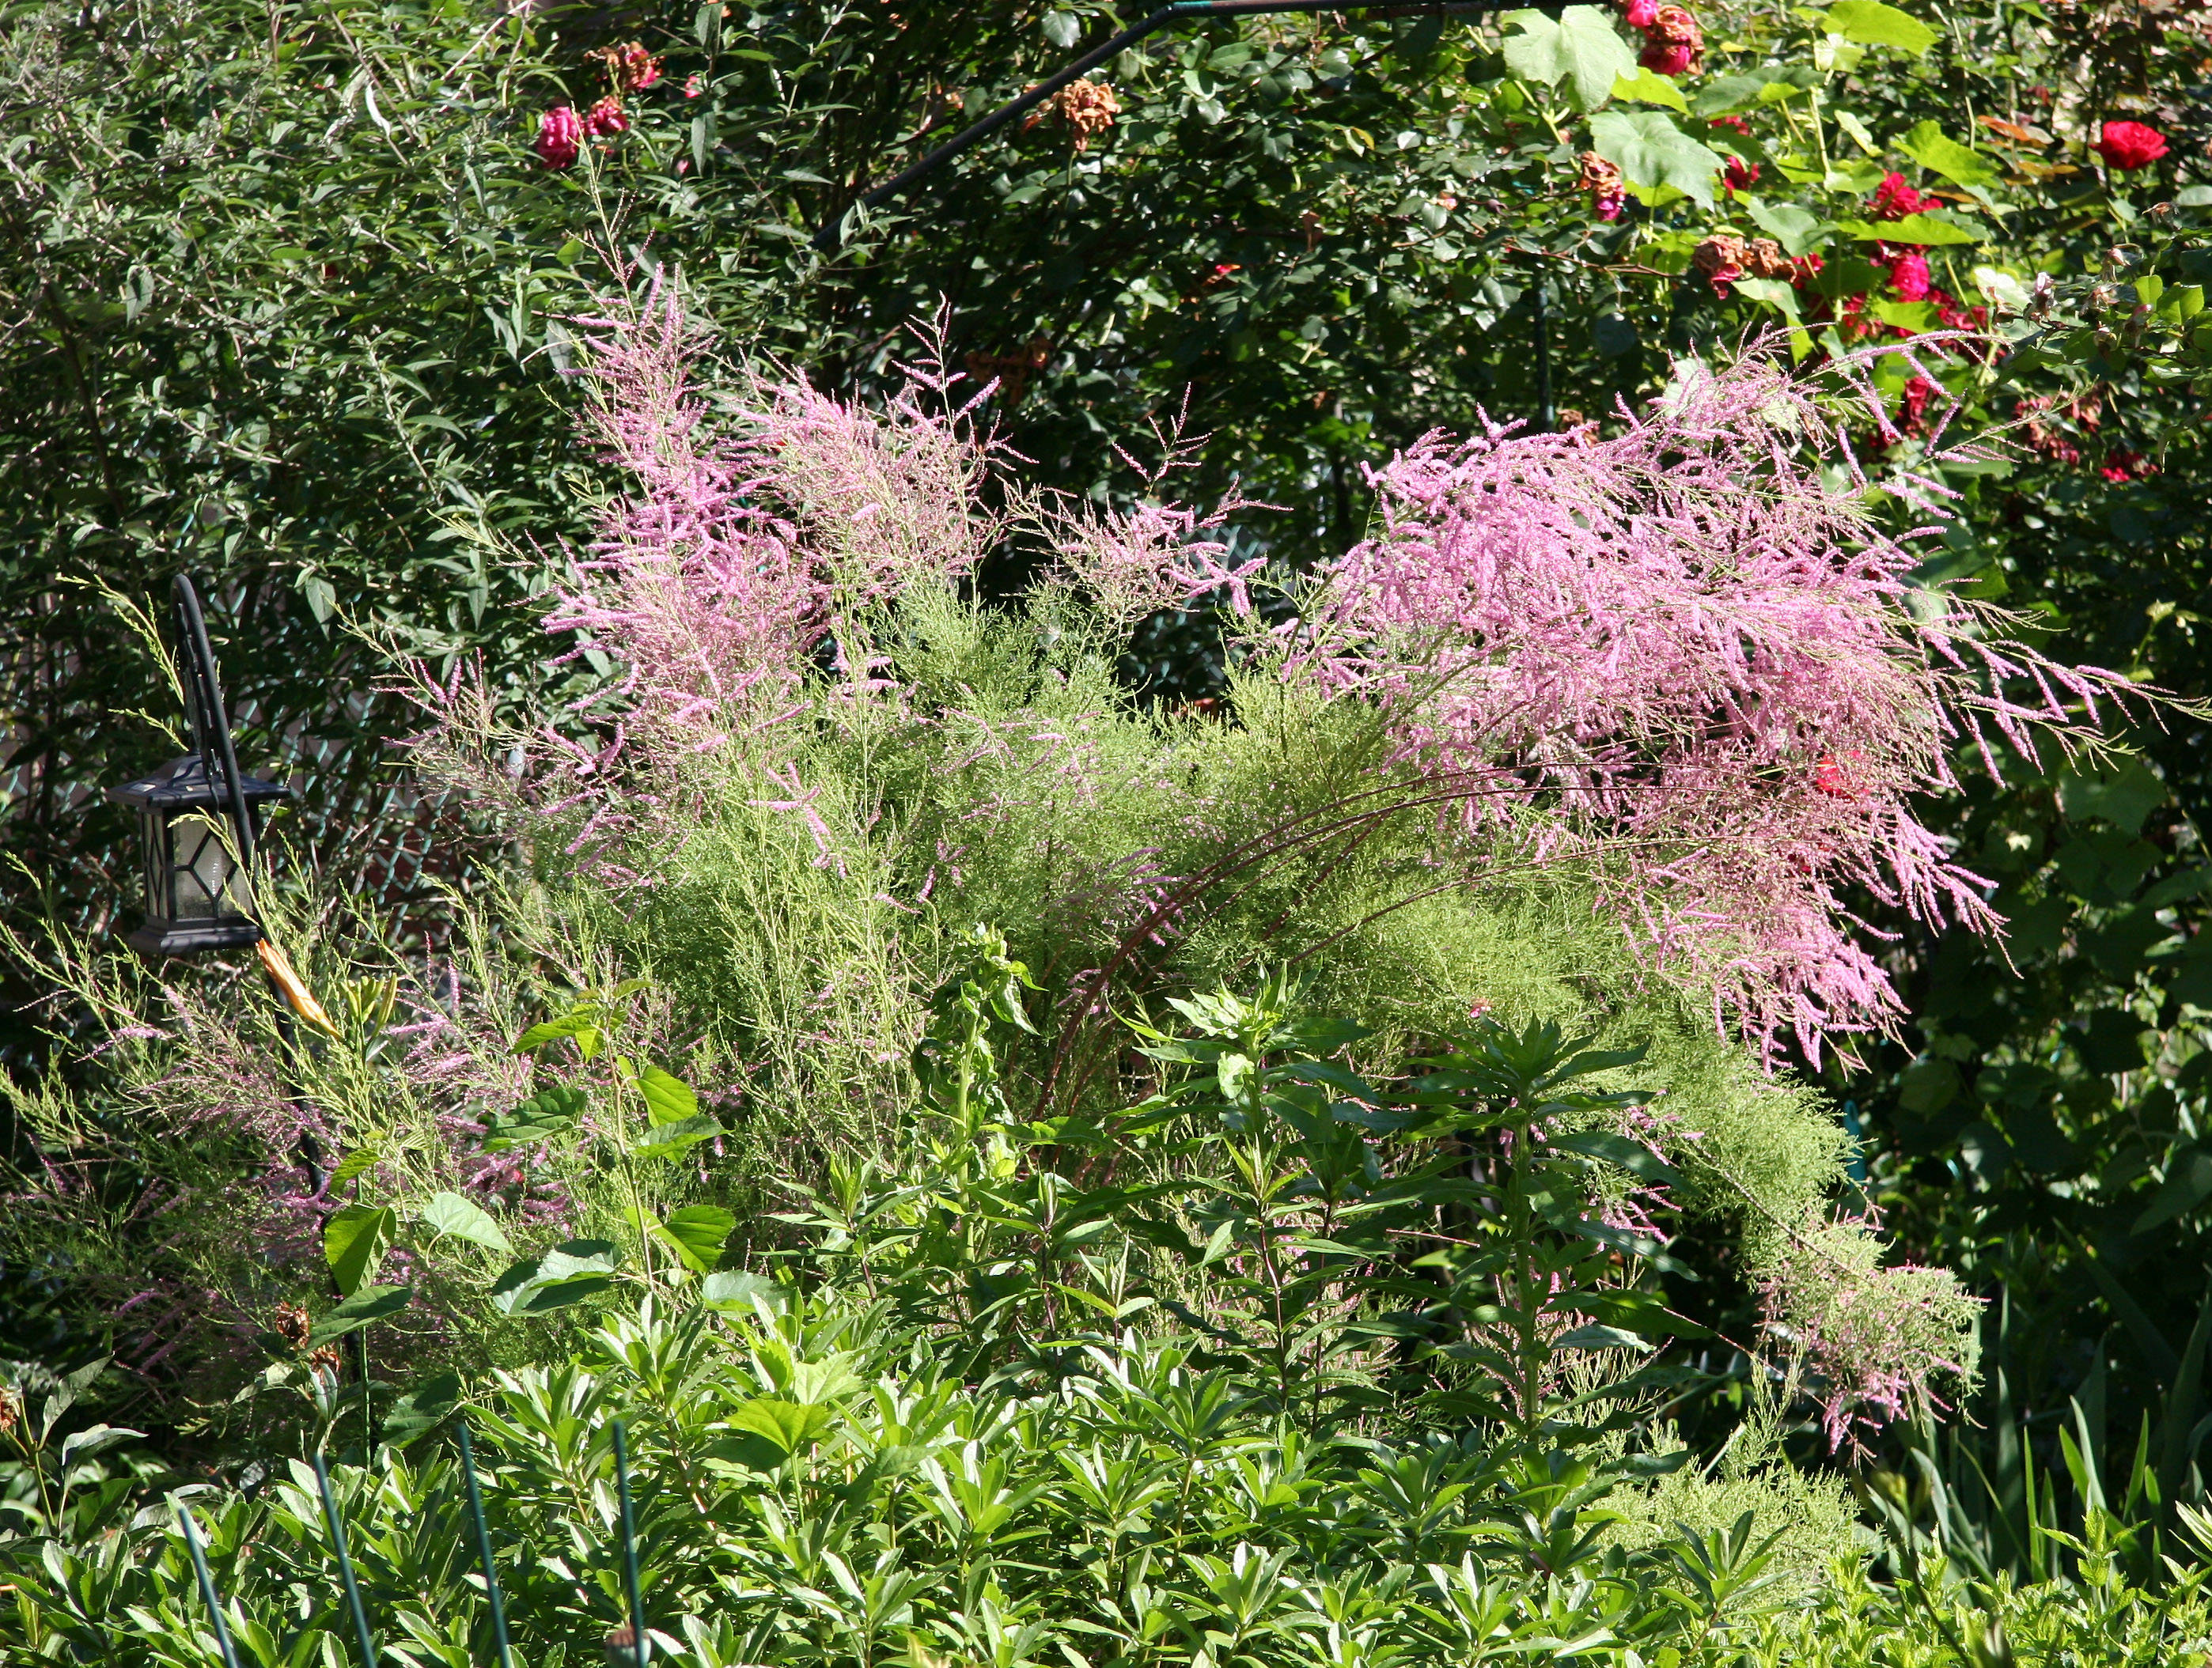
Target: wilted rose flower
1602	180
1676	43
2124	465
1723	258
559	137
292	1323
1893	199
1765	260
605	118
2126	145
1908	275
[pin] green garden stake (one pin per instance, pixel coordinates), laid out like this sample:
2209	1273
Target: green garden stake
207	1588
483	1549
629	1547
345	1564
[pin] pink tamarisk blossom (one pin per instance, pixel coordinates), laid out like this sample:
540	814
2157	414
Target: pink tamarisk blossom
1686	654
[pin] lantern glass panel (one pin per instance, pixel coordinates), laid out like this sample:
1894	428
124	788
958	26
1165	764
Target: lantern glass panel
203	871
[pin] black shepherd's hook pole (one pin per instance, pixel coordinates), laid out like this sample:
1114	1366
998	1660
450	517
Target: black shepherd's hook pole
832	231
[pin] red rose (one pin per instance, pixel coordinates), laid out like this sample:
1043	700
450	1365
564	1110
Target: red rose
2126	145
1740	176
560	135
1893	199
1833	780
1641	13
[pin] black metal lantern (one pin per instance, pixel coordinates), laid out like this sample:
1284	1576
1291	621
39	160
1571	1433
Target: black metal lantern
199	819
196	897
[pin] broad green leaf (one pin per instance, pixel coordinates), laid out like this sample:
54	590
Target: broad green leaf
1870	23
787	1425
422	1408
1927	146
549	1112
94	1439
2122	797
1599	1337
450	1213
582	1024
2188	1184
1912	228
669	1139
1582	48
354	1165
355	1241
698	1232
1797	230
1650	150
668	1099
370	1303
1856	131
1645	87
732	1288
570	1273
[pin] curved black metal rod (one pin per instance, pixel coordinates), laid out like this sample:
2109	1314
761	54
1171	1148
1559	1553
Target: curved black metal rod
211	723
831	232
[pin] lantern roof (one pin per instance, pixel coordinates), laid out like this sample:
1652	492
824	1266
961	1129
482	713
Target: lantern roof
184	785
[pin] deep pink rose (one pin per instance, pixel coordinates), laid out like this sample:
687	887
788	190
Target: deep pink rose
559	137
1893	199
1908	275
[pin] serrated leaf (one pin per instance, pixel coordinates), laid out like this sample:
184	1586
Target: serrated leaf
355	1241
670	1139
1870	23
668	1099
1645	87
1650	150
1582	48
354	1165
549	1112
698	1232
582	1024
1927	145
1924	229
1794	228
450	1213
370	1303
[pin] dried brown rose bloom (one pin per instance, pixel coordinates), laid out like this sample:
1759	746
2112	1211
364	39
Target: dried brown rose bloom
292	1323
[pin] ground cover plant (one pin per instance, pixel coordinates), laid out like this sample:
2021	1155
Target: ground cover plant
874	956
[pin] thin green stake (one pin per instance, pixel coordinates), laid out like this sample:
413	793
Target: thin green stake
345	1563
483	1550
207	1588
629	1546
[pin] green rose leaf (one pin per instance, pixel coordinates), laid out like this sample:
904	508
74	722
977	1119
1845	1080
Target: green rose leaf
1650	150
698	1232
369	1303
1870	23
1912	228
667	1140
668	1099
450	1213
354	1242
1582	48
549	1112
1927	146
1645	87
